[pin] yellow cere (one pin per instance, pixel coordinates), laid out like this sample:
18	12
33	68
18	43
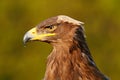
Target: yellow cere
41	36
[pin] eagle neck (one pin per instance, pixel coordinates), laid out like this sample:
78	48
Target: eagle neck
68	62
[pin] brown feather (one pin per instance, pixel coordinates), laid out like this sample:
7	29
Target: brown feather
70	60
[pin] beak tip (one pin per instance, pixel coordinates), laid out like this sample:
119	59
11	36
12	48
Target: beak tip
26	38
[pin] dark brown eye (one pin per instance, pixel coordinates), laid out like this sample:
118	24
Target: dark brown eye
50	27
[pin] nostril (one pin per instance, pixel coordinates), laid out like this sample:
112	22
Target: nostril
33	32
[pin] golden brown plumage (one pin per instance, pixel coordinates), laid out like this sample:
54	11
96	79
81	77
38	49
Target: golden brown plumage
70	58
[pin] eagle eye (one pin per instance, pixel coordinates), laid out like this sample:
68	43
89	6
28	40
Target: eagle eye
51	27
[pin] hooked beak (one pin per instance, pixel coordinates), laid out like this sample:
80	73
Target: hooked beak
29	35
32	35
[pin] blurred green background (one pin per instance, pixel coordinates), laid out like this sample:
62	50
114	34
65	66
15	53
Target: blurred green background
102	24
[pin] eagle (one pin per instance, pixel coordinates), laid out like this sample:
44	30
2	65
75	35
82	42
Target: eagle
70	58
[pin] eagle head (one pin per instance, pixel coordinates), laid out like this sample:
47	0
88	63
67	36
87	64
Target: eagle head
54	29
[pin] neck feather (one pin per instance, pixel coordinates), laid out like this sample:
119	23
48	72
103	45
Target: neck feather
71	60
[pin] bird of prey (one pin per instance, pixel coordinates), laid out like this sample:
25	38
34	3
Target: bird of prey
70	58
